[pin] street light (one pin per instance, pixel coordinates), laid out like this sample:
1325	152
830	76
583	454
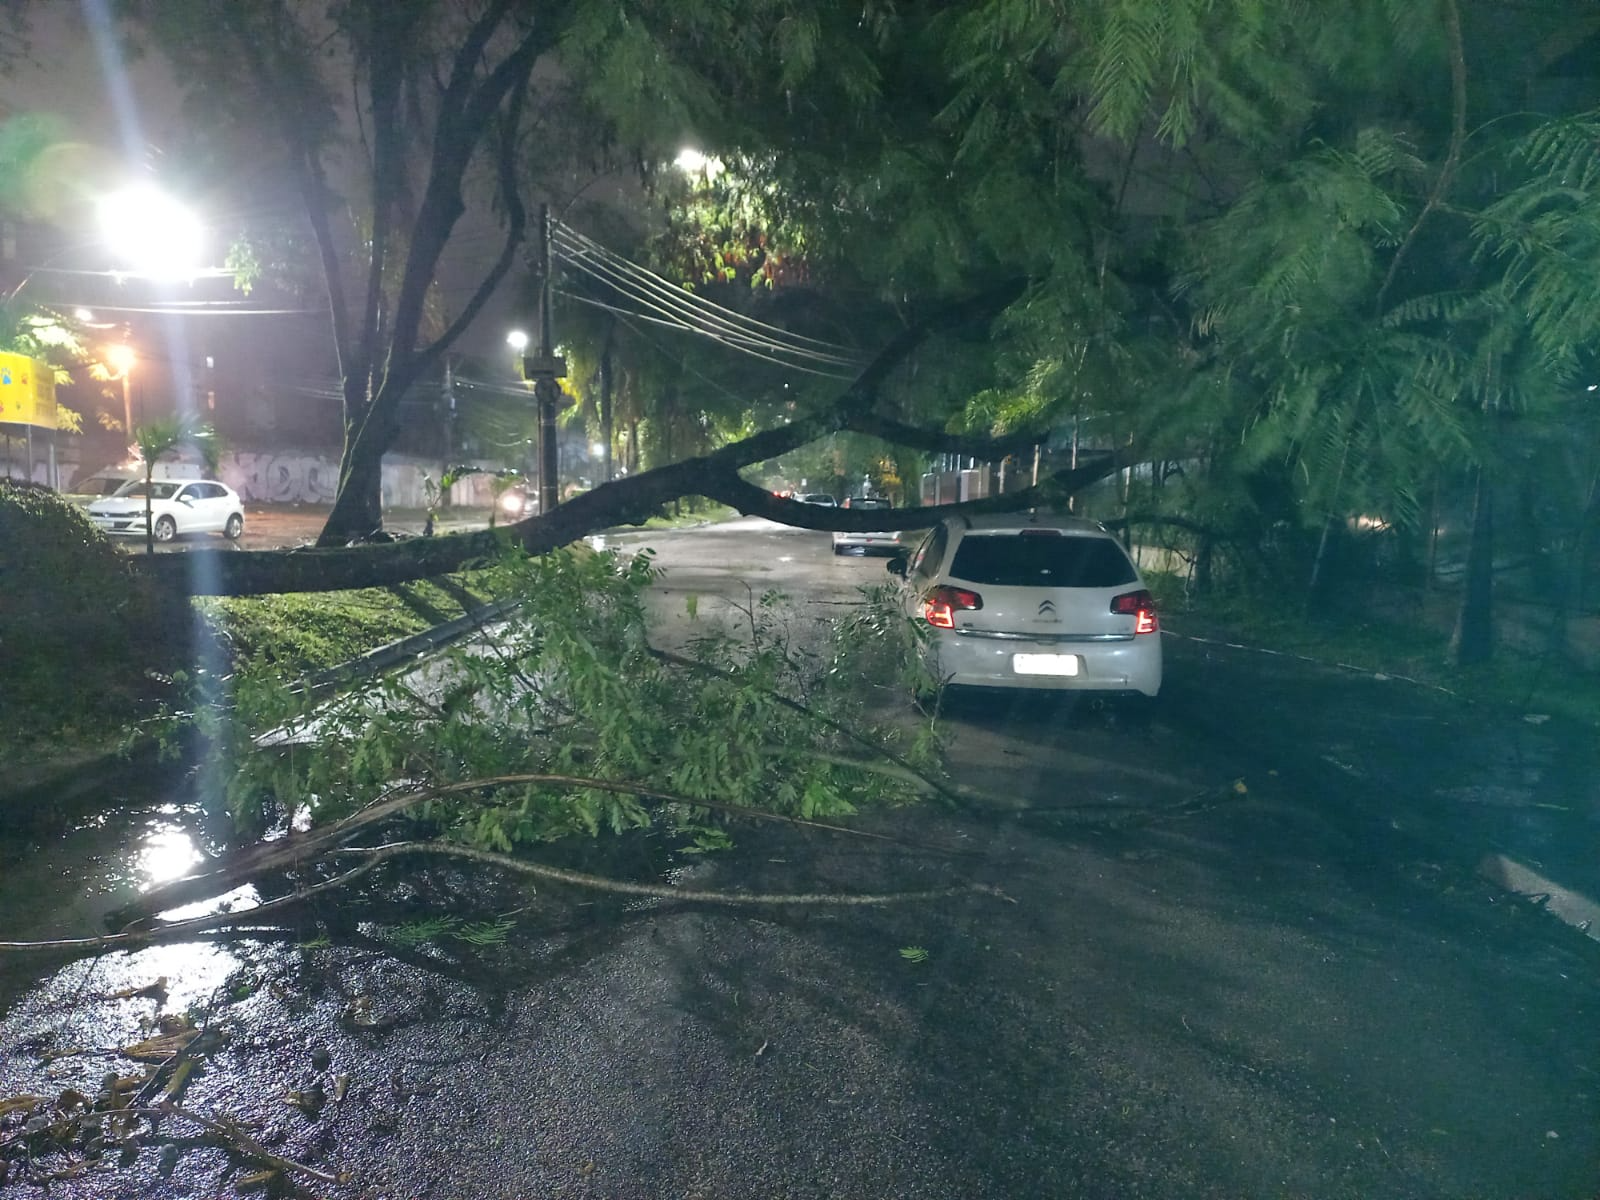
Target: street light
517	340
151	232
122	357
694	163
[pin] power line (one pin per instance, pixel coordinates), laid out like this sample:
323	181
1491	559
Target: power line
675	320
735	340
710	319
684	362
670	324
660	283
690	311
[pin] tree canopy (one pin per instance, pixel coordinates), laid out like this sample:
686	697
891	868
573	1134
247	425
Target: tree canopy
1316	257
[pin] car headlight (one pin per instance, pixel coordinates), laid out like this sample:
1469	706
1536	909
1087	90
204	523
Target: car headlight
511	503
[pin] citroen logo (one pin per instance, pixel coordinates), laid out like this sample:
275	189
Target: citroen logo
1047	608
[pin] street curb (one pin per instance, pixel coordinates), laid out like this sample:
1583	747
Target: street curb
1576	909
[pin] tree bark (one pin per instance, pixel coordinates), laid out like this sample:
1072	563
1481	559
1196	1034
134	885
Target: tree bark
357	511
627	501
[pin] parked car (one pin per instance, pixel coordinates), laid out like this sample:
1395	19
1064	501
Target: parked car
864	542
1033	601
822	498
519	501
176	506
108	482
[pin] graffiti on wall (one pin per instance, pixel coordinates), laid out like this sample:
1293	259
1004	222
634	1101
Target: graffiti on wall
291	477
295	477
281	478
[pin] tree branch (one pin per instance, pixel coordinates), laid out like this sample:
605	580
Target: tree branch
456	140
668	892
990	449
516	227
1452	161
306	167
629	500
1050	491
386	35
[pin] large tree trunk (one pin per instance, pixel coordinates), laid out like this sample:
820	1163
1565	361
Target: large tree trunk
357	513
1474	635
358	507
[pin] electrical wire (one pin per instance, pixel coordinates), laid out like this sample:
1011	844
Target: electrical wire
657	281
653	291
670	324
675	320
698	315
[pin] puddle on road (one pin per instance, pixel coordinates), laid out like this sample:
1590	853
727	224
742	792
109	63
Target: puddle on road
64	884
166	852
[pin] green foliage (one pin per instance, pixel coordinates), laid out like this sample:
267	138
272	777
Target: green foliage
571	690
914	954
299	634
480	934
159	438
77	628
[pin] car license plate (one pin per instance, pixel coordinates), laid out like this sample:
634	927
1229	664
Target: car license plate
1044	664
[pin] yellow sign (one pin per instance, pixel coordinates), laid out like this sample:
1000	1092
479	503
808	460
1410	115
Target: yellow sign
27	392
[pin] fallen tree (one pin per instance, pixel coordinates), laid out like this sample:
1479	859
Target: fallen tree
563	721
632	499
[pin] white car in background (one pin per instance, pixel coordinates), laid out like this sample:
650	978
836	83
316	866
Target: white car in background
176	506
1022	600
864	542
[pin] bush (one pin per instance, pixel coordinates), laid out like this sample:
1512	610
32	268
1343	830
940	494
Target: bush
78	629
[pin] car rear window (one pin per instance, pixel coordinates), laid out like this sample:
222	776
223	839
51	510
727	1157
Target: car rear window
1041	560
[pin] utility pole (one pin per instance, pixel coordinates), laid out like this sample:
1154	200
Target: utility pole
605	400
447	406
544	368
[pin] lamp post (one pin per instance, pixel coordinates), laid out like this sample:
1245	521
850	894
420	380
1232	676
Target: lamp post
122	357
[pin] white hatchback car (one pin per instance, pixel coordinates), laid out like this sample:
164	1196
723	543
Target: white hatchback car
176	506
1022	600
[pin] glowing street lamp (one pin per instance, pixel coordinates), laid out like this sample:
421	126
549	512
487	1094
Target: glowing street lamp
695	163
517	340
152	233
122	357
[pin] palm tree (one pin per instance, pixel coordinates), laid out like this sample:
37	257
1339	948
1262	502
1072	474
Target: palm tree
161	437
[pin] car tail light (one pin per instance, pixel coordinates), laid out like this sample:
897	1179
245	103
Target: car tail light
940	606
1141	606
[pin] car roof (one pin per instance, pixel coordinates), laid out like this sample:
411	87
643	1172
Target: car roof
1009	522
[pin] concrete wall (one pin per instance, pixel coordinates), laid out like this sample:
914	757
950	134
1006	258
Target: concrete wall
289	477
300	477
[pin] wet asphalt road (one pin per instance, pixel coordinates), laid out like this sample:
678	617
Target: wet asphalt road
1247	957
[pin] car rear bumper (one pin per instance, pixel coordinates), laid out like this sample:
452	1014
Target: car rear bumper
868	541
1133	665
